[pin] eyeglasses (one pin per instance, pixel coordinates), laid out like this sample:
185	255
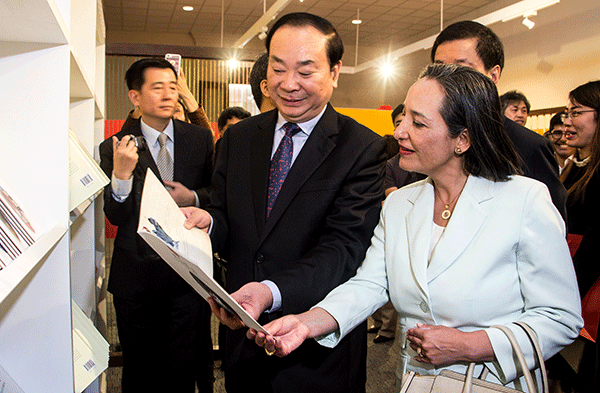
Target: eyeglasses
574	114
556	134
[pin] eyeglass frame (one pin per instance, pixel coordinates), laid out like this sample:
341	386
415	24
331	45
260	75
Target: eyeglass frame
575	114
554	134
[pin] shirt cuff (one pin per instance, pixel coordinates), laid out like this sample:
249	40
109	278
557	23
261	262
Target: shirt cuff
276	296
121	188
197	200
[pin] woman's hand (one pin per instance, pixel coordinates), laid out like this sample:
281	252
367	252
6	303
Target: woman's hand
441	345
287	334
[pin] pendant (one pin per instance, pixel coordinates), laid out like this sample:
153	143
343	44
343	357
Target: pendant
446	213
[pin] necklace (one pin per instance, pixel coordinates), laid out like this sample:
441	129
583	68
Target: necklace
447	213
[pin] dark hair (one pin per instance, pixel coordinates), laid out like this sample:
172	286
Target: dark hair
513	96
230	113
257	74
489	47
135	74
399	109
587	94
335	47
471	102
392	147
557	120
185	110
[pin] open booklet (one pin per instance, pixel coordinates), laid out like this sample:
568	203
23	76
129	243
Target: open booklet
188	252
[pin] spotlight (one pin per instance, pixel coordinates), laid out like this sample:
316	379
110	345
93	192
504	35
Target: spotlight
528	23
233	63
263	34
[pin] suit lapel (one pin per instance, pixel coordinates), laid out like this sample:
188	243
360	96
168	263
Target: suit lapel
261	144
466	220
419	223
179	140
317	148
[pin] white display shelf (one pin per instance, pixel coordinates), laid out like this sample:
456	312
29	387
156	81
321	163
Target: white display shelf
18	269
37	21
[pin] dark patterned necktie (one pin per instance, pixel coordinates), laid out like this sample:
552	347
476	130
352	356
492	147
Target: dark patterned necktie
281	163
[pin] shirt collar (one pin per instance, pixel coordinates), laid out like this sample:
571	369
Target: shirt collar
151	134
306	127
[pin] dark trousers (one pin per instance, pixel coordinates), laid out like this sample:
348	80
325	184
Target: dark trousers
166	343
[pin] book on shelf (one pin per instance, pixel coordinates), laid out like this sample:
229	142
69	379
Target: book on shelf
90	350
188	252
7	384
86	178
17	229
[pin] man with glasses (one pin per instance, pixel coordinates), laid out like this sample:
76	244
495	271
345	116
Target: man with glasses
558	136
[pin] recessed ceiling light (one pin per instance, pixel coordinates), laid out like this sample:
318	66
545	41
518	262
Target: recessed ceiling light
188	8
356	21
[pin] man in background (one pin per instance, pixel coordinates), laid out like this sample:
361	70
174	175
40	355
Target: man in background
258	84
474	45
515	106
163	324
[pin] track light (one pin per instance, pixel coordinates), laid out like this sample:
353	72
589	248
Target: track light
263	34
528	23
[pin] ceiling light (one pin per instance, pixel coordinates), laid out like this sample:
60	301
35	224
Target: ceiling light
356	21
188	8
528	23
263	34
387	70
233	63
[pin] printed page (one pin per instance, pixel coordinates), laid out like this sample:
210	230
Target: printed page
188	252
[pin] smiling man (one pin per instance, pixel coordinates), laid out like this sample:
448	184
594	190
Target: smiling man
296	194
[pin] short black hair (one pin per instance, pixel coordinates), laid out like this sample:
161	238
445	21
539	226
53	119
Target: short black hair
230	113
471	103
335	46
489	47
513	96
135	74
399	109
557	120
258	73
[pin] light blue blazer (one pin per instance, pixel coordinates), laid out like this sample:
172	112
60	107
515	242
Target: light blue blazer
502	258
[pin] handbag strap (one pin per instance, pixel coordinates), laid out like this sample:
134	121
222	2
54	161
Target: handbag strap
517	349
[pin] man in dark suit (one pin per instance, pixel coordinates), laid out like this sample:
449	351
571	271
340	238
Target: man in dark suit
162	330
286	253
474	45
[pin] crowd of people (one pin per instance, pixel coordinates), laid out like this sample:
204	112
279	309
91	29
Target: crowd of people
464	219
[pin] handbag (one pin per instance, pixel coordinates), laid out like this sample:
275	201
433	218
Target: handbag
452	382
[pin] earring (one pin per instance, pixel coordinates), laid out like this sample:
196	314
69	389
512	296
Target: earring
457	150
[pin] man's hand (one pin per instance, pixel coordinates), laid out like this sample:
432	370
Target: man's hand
125	157
196	218
182	195
254	297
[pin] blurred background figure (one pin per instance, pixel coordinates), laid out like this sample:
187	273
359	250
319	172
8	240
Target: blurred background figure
227	118
258	83
557	134
515	106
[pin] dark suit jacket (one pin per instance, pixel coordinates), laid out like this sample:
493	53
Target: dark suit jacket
314	239
538	161
136	270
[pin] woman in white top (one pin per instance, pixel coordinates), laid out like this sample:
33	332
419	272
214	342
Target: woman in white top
471	246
